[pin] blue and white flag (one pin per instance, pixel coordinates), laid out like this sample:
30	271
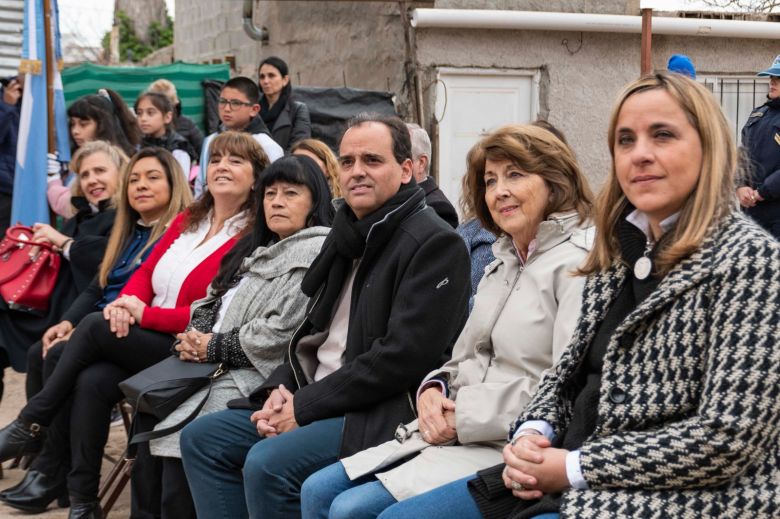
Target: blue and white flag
29	196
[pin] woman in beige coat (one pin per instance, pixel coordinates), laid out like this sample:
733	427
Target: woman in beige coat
526	187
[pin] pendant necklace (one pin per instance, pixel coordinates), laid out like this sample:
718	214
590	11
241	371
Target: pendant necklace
644	265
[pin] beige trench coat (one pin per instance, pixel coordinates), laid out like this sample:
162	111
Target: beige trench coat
523	318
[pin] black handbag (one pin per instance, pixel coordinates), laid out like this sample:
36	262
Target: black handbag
160	389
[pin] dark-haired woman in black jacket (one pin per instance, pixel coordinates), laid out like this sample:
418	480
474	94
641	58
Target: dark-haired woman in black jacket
288	120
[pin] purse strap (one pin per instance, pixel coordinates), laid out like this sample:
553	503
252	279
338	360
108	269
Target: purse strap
9	235
135	439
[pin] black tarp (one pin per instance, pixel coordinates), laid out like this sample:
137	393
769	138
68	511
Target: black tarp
329	108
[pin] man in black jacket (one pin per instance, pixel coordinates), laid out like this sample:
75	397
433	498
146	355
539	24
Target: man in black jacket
421	166
388	299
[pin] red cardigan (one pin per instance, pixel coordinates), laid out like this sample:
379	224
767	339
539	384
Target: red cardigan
173	320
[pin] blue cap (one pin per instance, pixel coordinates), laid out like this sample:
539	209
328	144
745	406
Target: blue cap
681	64
774	70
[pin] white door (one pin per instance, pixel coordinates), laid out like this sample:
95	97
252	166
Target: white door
469	104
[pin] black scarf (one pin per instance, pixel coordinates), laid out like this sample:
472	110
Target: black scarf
773	103
346	243
271	113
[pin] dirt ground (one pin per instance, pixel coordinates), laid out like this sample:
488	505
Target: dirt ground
13	399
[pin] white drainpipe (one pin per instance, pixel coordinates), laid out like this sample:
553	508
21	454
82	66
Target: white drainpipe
543	21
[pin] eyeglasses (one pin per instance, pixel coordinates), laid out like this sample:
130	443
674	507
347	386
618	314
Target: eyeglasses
234	103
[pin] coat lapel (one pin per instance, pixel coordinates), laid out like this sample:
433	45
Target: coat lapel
687	274
600	292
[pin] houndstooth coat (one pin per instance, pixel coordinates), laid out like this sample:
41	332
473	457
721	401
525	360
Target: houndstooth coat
689	406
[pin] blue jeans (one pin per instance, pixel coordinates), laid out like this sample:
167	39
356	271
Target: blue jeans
446	502
330	494
215	447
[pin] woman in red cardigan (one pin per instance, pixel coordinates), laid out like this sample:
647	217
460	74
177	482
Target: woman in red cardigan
136	330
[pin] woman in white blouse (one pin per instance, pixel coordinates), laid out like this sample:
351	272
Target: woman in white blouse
137	330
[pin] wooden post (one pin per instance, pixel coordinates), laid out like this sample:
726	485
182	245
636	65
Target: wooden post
50	64
646	62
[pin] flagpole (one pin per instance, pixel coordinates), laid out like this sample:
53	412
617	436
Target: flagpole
49	43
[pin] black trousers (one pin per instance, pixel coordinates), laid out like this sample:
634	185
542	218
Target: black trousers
159	488
54	459
88	373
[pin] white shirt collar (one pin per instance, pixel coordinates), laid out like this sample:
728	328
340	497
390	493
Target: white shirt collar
639	220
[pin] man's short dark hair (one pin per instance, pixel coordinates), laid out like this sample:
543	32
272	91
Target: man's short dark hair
246	86
402	144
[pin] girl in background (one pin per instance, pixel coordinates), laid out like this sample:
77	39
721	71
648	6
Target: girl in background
155	119
103	116
183	124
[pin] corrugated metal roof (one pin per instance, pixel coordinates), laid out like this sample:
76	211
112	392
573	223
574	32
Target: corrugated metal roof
11	18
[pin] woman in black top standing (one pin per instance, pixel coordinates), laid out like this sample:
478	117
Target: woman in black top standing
288	120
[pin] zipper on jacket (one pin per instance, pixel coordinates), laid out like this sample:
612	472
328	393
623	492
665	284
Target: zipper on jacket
499	309
290	351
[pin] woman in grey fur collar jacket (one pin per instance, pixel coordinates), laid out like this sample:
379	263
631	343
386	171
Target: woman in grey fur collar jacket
677	341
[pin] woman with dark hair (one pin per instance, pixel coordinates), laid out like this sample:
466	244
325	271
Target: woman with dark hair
103	116
288	120
245	321
152	192
136	330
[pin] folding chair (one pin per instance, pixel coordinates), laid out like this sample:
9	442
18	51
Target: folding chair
117	479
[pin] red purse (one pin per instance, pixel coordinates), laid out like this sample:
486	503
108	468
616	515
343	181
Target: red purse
28	271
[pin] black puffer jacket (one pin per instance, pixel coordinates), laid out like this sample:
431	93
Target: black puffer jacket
409	303
171	141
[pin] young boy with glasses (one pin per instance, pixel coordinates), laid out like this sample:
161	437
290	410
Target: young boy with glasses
239	106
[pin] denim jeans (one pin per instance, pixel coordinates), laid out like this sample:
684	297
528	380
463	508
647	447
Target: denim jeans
446	502
215	447
330	494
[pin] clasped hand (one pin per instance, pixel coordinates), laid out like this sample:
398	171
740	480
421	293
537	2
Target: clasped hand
122	313
748	197
436	417
193	345
59	332
277	415
534	464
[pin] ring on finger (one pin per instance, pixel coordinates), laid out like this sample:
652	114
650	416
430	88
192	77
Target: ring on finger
517	486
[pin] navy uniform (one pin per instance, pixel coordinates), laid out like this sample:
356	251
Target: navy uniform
761	140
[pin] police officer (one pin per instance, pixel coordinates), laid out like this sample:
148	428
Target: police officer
760	192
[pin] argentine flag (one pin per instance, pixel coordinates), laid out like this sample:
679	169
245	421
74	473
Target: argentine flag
29	197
